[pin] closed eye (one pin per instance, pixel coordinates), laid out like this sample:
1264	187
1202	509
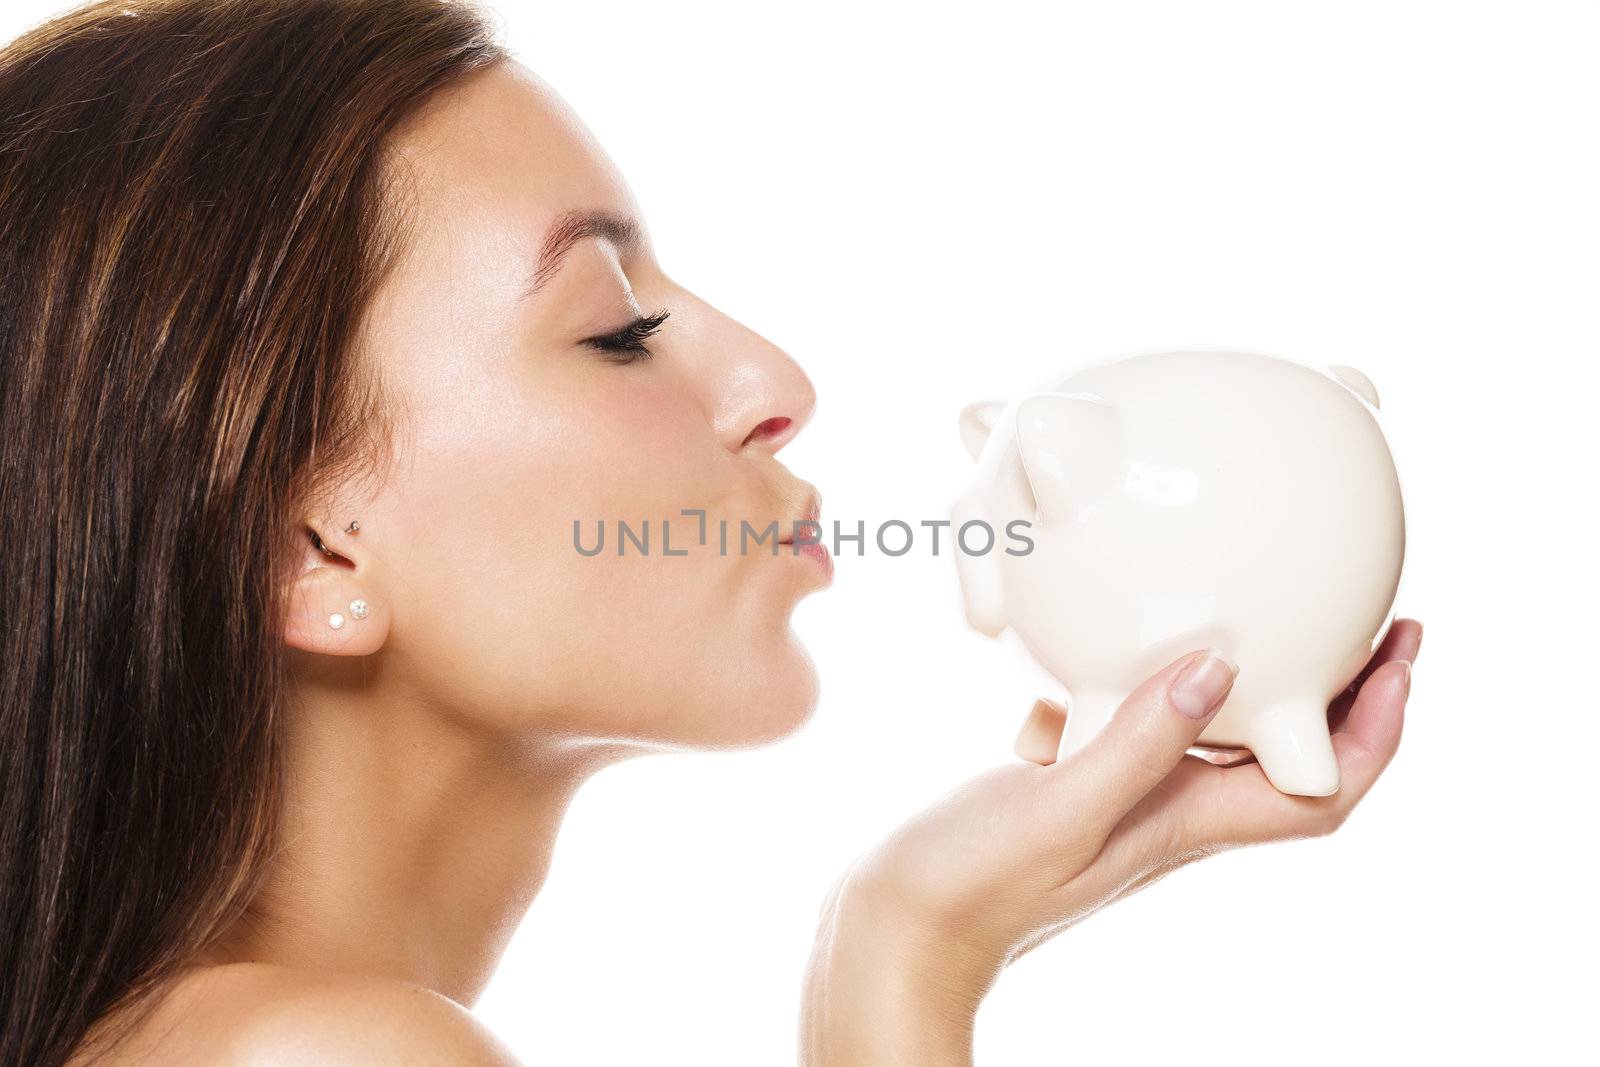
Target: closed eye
628	344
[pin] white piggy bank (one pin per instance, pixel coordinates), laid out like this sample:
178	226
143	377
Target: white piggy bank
1182	500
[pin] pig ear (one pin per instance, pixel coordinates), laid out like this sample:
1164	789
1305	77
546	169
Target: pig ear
1357	383
977	420
1073	451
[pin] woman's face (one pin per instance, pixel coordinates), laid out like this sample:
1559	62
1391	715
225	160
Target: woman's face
525	246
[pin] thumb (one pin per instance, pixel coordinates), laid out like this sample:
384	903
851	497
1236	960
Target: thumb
1148	735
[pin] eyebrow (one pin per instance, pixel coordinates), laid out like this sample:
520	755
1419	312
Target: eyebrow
574	226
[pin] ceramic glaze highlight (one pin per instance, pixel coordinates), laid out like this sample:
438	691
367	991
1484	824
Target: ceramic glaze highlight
1188	499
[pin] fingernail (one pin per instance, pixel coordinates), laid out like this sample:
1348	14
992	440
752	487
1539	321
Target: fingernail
1201	685
1405	680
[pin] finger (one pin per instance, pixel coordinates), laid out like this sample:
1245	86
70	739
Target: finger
1218	756
1040	736
1147	736
1371	733
1406	648
1403	641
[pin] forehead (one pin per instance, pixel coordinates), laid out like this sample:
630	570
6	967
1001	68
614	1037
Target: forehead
499	154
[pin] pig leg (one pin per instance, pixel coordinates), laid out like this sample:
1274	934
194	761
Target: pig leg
1291	743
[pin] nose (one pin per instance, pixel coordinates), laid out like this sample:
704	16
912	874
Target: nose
761	397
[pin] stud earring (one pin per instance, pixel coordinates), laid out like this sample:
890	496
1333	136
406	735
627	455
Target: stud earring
358	608
336	620
354	527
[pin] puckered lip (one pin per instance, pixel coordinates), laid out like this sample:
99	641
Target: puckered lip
812	512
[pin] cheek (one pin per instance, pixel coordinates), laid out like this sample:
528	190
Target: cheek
507	615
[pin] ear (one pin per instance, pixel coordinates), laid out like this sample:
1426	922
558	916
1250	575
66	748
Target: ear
977	420
1357	383
1073	452
334	573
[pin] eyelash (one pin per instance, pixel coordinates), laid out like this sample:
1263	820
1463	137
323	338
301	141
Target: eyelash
627	345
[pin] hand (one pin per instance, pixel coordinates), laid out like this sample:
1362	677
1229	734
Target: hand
916	931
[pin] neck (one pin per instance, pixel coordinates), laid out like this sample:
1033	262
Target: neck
409	846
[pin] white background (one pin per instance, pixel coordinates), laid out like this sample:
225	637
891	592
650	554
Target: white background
928	205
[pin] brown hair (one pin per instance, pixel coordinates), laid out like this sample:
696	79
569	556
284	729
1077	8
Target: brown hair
195	210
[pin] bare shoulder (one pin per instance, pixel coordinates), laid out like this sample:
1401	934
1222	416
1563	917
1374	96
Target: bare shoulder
258	1015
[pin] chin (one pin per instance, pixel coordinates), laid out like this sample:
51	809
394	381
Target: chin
777	700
